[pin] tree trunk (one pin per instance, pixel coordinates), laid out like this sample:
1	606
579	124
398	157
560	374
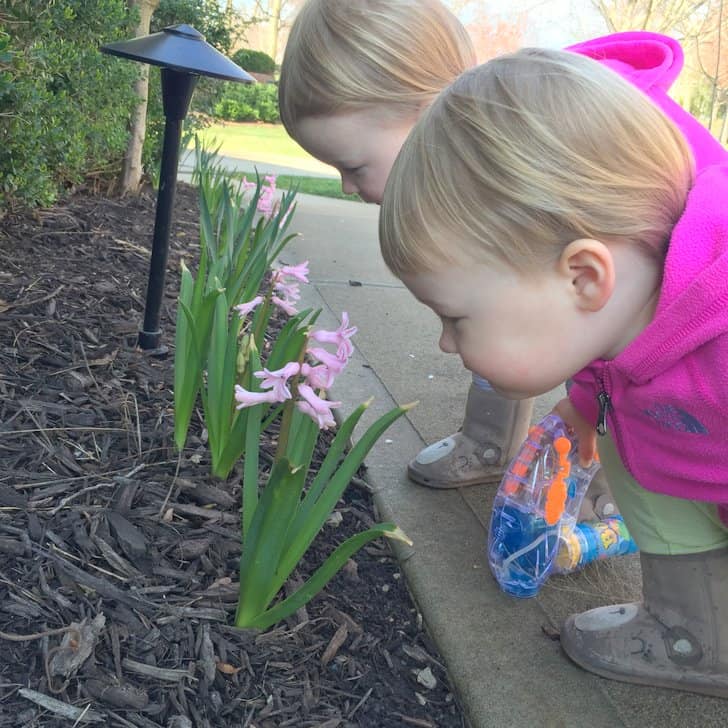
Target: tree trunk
275	27
131	173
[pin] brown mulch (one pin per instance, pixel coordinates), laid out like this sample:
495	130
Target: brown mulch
119	560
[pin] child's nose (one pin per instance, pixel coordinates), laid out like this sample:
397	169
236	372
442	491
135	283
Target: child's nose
347	186
446	343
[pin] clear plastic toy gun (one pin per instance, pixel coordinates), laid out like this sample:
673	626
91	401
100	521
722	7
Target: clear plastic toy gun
533	529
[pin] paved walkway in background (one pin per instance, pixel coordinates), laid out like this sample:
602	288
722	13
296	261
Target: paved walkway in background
508	671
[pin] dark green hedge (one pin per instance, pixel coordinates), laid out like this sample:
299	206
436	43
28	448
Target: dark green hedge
64	107
243	102
255	61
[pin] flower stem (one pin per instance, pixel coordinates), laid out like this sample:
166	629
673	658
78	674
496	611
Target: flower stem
262	322
285	429
288	410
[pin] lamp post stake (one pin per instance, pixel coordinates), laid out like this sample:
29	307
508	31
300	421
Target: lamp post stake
184	56
177	88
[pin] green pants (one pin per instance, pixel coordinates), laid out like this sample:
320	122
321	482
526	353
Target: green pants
660	524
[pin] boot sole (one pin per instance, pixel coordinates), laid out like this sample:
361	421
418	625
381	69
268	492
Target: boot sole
449	485
715	691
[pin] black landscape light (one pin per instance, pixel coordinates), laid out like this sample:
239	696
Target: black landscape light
184	56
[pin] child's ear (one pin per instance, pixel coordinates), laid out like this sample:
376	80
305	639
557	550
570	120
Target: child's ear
589	266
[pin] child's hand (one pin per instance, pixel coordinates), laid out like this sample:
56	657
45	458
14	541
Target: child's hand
585	433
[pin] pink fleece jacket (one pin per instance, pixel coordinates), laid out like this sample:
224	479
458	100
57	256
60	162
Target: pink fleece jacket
664	398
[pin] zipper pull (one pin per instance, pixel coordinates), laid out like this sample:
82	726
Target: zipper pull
604	404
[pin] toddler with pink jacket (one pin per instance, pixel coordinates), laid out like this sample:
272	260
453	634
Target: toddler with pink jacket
564	224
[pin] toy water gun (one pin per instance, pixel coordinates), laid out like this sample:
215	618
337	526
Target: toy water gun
537	502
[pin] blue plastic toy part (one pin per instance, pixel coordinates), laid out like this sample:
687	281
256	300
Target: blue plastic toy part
593	541
538	500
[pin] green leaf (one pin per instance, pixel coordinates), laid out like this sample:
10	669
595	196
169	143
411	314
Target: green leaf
207	234
328	466
183	394
214	410
302	439
306	530
266	537
320	578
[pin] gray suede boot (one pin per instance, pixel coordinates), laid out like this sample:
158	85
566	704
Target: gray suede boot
677	638
493	430
598	502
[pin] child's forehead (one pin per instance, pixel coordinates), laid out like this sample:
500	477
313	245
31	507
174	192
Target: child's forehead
338	131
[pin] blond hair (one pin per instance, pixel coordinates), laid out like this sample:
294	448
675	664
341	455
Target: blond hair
349	55
526	153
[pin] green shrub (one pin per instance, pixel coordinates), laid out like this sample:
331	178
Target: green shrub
65	106
254	61
205	16
253	102
210	19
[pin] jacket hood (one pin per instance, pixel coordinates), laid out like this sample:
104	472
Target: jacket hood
648	60
692	309
652	62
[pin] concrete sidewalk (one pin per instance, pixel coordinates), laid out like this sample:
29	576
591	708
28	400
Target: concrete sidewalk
505	667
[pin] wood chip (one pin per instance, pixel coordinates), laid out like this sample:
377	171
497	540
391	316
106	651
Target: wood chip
114	560
416	653
131	539
335	644
71	712
156	673
211	514
206	654
551	632
101	586
205	494
227	669
77	646
121	695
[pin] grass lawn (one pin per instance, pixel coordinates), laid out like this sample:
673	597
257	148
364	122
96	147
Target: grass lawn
270	143
253	139
321	186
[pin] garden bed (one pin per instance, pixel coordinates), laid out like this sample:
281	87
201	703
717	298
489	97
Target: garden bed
105	532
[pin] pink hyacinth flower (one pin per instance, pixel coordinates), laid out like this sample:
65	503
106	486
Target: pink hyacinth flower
244	309
319	377
319	410
266	202
335	363
341	337
284	305
299	272
291	291
248	185
277	380
244	398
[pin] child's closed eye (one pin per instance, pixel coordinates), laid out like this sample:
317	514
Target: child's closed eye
451	320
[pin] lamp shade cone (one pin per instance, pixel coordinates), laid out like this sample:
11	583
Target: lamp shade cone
182	48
